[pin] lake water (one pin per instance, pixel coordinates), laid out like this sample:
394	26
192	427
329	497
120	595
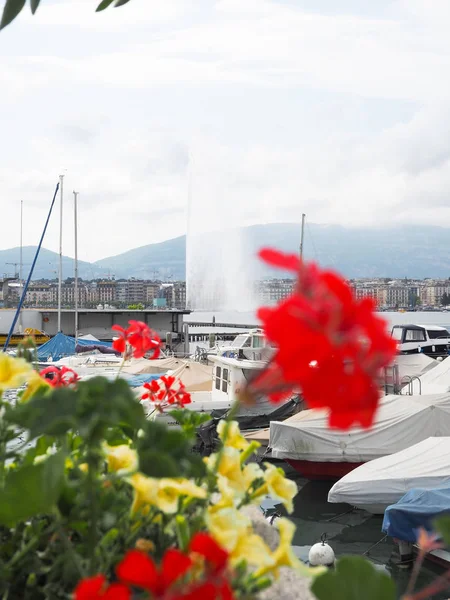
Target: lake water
392	318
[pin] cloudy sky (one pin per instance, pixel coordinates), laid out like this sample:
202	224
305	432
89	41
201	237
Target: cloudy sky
336	108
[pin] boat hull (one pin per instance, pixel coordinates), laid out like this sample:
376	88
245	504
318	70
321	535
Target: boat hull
320	471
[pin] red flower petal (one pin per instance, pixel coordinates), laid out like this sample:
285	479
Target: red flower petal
174	565
119	345
206	546
117	591
139	570
90	588
275	258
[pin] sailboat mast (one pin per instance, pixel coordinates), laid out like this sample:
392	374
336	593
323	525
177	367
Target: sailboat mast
302	235
61	180
21	241
21	262
75	202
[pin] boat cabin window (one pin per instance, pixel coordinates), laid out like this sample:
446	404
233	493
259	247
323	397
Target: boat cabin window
435	334
242	341
225	380
257	341
218	374
415	335
222	379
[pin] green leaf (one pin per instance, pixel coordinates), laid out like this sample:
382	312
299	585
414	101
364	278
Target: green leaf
11	10
120	3
442	525
49	414
91	409
167	453
354	578
104	4
34	5
189	420
32	490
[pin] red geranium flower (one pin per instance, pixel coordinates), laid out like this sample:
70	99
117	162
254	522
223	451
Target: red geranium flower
162	390
329	345
138	570
140	337
97	588
206	546
62	377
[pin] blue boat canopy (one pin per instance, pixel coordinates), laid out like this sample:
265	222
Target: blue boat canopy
64	345
417	508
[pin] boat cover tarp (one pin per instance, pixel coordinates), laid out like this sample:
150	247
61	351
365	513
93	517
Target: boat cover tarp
418	508
385	480
63	345
401	421
208	431
80	348
139	366
435	381
414	365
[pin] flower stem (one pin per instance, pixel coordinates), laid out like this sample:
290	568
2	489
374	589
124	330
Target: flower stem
438	585
415	573
92	499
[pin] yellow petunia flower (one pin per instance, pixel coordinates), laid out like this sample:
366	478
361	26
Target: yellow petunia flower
233	531
121	459
34	383
14	372
162	493
170	490
229	468
145	490
234	437
284	555
278	486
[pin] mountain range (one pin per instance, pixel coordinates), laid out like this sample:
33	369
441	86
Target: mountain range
396	251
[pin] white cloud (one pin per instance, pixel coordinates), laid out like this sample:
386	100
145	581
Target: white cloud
282	111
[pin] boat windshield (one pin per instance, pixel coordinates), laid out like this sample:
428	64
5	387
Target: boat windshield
397	333
242	341
434	334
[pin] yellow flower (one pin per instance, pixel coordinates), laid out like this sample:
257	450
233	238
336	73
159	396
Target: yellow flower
84	467
170	490
229	468
234	437
35	383
279	487
232	530
14	372
145	489
162	493
284	556
121	459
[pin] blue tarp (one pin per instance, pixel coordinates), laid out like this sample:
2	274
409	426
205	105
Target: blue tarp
417	508
63	345
138	380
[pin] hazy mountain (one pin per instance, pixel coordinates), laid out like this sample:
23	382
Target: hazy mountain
403	251
47	264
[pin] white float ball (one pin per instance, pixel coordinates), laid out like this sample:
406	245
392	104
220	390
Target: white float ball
321	555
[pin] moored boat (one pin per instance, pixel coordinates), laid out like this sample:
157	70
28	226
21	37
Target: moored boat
317	452
378	483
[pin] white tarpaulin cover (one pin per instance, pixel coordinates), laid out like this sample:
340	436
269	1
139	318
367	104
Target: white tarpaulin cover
385	480
434	381
401	421
414	365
